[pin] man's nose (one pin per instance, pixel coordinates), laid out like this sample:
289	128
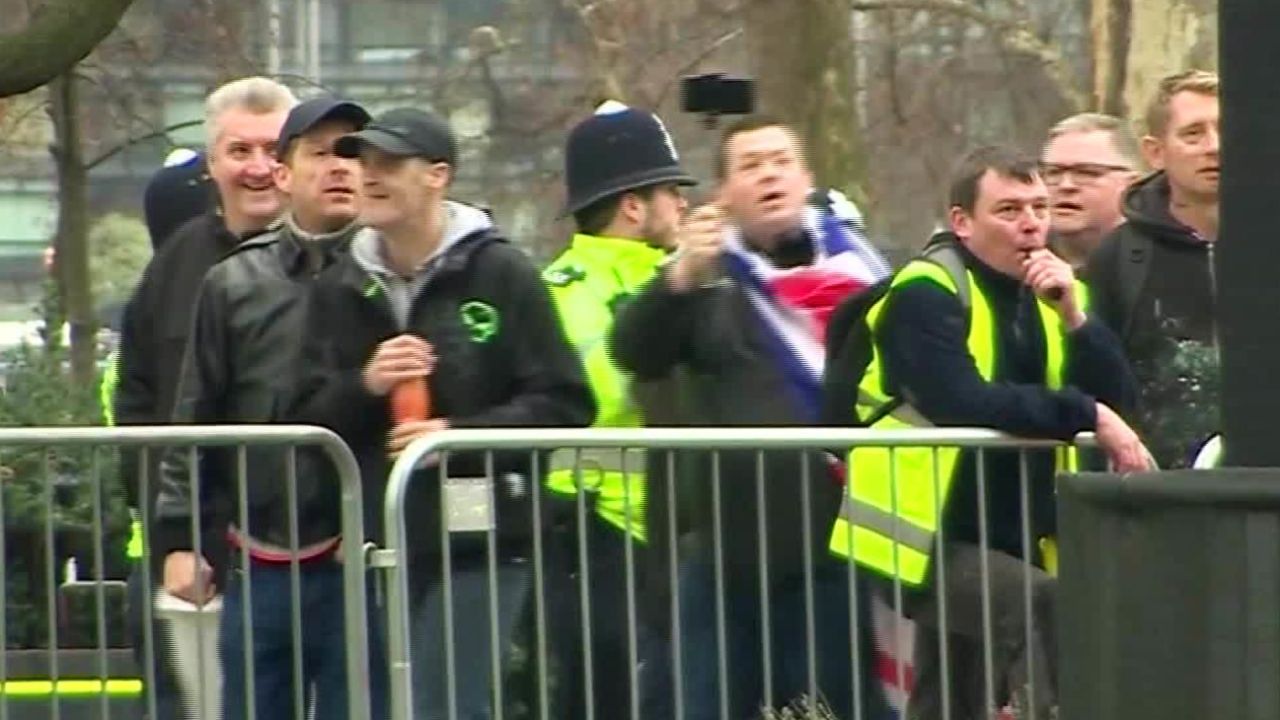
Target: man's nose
261	162
1213	139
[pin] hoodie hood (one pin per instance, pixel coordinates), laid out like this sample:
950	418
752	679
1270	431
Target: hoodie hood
1146	206
462	222
465	228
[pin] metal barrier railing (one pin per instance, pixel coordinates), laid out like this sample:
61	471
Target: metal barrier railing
469	511
190	440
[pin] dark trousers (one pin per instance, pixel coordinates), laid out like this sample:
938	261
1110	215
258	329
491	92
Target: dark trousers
787	661
162	684
323	650
1012	645
606	616
485	609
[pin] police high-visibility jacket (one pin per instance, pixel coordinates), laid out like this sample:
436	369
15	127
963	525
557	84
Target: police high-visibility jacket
872	513
588	282
106	396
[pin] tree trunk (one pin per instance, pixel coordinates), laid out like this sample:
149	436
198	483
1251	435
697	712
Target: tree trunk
61	33
71	241
802	56
1138	42
1110	22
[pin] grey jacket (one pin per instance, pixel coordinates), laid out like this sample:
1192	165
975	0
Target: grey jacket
240	366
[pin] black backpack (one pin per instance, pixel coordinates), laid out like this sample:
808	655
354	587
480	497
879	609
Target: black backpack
1134	266
848	341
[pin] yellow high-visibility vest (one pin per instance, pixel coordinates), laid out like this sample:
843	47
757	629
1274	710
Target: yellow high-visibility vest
904	498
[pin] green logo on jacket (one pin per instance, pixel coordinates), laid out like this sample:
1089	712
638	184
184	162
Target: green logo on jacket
481	319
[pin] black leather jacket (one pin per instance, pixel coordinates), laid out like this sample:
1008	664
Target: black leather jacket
240	366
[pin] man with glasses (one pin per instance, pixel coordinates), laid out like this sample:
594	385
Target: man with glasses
1087	163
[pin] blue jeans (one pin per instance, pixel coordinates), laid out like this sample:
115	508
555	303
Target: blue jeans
472	654
789	643
324	657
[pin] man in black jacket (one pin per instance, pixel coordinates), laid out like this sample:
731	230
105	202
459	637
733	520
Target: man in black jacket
711	314
432	290
1153	280
243	119
929	358
239	369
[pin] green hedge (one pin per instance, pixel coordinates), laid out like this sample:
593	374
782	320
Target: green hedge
37	392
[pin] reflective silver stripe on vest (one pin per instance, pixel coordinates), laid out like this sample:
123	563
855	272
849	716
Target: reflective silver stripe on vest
598	460
873	518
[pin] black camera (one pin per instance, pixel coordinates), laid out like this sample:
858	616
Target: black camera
717	94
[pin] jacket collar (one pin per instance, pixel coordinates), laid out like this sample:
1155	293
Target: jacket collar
300	252
618	250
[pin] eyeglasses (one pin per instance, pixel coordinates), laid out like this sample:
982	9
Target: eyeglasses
1084	173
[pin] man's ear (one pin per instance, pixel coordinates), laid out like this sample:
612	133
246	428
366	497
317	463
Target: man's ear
282	176
441	175
961	222
1153	152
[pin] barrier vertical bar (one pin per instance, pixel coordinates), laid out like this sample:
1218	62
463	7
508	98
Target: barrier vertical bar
584	585
984	546
246	581
944	646
201	587
900	663
676	644
399	627
762	546
539	588
495	646
629	560
1029	617
722	664
99	574
446	585
295	585
51	563
148	594
855	632
810	622
4	614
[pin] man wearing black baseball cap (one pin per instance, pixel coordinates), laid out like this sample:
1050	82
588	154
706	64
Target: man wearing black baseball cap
624	181
431	290
239	369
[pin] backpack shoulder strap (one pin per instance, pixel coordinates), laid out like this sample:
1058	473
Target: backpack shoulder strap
1133	265
945	256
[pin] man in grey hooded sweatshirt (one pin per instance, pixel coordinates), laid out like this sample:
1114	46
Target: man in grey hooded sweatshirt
432	291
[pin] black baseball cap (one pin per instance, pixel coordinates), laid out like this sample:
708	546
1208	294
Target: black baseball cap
306	115
405	132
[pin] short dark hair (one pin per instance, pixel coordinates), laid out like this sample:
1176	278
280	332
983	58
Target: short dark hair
594	218
1003	160
749	123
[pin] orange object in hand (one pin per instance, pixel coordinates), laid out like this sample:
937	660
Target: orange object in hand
411	400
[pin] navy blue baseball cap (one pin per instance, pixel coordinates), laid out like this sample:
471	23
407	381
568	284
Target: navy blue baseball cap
310	113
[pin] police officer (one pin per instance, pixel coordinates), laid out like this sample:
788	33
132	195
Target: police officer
624	192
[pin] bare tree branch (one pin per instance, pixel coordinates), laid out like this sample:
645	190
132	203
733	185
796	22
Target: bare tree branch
697	60
1015	35
61	33
162	132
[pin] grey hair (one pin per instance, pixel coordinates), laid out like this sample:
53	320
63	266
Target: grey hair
256	95
1122	137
